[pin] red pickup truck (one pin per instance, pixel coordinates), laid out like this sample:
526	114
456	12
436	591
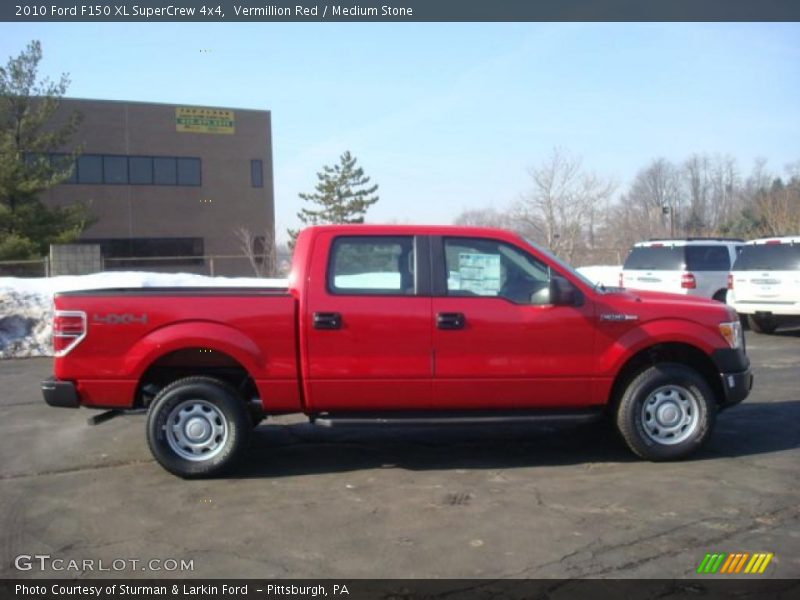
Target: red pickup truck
396	322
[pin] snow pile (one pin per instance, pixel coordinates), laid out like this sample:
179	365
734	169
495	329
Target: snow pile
608	275
26	305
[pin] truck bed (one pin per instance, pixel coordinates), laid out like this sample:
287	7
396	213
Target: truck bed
132	330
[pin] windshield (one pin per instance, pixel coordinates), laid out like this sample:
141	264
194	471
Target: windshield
769	257
565	266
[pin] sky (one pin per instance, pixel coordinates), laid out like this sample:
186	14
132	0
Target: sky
451	116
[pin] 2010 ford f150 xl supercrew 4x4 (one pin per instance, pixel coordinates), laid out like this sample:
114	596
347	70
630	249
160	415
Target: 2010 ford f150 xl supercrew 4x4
397	322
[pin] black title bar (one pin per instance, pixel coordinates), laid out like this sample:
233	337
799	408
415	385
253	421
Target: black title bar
396	10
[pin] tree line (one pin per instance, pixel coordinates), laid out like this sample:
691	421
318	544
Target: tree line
586	218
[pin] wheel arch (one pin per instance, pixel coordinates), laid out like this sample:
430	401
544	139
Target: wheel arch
674	352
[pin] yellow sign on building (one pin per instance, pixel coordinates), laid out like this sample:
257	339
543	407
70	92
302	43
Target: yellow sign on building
189	119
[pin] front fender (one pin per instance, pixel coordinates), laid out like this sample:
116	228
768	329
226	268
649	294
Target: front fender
195	334
660	331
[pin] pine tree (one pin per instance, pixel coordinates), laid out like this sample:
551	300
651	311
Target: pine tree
28	165
342	195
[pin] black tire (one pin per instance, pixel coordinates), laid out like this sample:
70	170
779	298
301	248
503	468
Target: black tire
721	296
762	324
211	409
675	388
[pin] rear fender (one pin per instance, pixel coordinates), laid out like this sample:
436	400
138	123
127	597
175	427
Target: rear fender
195	334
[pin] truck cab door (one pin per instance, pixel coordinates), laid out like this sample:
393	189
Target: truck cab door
366	324
499	342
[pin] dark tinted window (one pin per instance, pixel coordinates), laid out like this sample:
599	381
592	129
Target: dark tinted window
256	173
116	251
141	169
372	265
64	162
769	257
188	171
165	171
656	258
90	169
115	169
707	258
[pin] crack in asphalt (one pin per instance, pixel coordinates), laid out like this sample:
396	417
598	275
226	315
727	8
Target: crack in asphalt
79	469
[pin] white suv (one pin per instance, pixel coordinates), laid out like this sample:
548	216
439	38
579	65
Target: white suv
764	284
691	266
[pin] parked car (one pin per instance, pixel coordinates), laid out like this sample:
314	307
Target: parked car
764	284
690	266
399	322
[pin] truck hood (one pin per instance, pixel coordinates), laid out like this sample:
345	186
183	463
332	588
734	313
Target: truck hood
651	305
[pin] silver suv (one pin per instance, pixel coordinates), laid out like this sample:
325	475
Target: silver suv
690	266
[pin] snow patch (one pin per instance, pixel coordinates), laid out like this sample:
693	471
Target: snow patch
607	275
26	304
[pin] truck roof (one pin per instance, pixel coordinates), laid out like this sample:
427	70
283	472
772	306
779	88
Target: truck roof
368	229
691	241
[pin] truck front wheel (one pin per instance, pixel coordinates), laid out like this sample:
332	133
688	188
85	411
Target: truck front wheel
666	412
197	427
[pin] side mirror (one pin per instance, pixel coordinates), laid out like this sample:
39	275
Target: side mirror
563	293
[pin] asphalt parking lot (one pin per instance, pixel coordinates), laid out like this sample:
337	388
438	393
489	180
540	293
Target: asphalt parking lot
514	501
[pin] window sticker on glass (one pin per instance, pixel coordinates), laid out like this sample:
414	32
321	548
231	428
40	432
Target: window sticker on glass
479	273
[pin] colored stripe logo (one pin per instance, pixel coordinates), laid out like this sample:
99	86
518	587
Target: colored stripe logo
735	562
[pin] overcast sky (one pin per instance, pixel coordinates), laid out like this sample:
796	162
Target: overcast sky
449	116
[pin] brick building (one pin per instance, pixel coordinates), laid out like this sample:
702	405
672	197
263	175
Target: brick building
171	181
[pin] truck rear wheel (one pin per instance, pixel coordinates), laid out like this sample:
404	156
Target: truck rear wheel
666	412
197	427
761	324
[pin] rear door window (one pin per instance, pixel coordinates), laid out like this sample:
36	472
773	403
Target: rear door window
370	265
707	258
769	257
656	258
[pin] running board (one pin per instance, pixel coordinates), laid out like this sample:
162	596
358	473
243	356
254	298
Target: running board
457	416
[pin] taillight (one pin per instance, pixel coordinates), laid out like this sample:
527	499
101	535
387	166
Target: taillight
69	329
688	281
621	280
730	281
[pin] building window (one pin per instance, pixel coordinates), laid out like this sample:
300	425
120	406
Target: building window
63	162
256	173
115	169
141	170
125	253
188	171
90	168
165	171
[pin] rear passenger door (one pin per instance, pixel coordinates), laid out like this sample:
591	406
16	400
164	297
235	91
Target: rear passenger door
367	324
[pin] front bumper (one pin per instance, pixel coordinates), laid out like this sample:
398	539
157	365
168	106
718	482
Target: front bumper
60	393
734	371
736	387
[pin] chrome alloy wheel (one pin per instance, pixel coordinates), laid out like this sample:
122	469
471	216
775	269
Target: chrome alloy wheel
196	430
670	415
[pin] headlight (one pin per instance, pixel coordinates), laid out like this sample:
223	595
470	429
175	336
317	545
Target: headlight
732	332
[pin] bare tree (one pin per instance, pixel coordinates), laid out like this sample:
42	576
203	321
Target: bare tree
259	250
485	217
779	208
559	210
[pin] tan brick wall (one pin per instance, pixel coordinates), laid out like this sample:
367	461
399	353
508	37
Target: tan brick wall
224	201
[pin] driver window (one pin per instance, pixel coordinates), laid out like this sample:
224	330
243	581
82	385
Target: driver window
479	267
